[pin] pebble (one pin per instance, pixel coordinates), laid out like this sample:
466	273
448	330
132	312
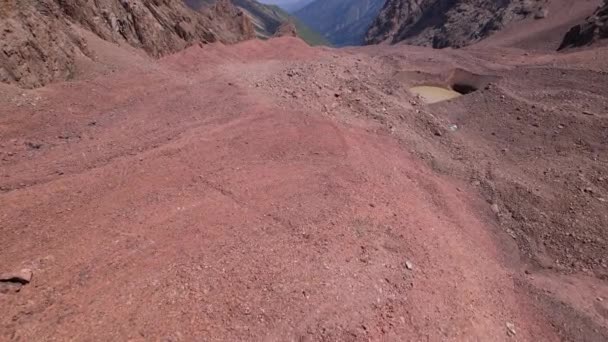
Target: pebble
24	276
32	145
409	265
495	208
510	329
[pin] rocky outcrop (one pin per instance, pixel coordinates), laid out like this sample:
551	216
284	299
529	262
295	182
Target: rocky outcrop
230	20
440	23
157	26
592	30
39	43
287	29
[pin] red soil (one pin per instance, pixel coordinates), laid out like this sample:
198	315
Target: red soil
189	199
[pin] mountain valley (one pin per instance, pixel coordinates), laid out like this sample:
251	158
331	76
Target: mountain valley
187	171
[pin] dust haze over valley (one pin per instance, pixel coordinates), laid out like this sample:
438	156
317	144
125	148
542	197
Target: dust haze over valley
229	170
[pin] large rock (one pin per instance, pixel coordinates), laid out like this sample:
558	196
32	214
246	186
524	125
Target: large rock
440	23
39	45
592	30
287	29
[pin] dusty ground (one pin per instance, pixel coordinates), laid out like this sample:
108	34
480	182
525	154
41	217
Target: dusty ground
271	191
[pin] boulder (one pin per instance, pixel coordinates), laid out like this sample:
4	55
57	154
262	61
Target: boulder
593	29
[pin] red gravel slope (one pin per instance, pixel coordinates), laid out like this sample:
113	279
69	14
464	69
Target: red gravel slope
271	191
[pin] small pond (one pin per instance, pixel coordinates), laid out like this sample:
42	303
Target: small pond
432	94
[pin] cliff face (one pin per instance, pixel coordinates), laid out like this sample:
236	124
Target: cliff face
592	30
443	23
40	43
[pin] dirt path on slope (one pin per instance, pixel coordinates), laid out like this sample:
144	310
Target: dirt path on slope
186	203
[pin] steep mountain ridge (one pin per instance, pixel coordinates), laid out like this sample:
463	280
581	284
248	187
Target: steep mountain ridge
267	19
441	24
40	44
341	22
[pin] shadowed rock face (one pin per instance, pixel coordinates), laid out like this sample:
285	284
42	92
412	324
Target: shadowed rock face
593	29
442	23
40	43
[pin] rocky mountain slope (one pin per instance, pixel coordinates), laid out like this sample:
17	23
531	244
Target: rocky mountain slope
342	22
441	24
41	39
593	29
267	19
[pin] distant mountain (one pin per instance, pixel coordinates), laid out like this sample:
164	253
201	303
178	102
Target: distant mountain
288	5
342	22
453	23
267	19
